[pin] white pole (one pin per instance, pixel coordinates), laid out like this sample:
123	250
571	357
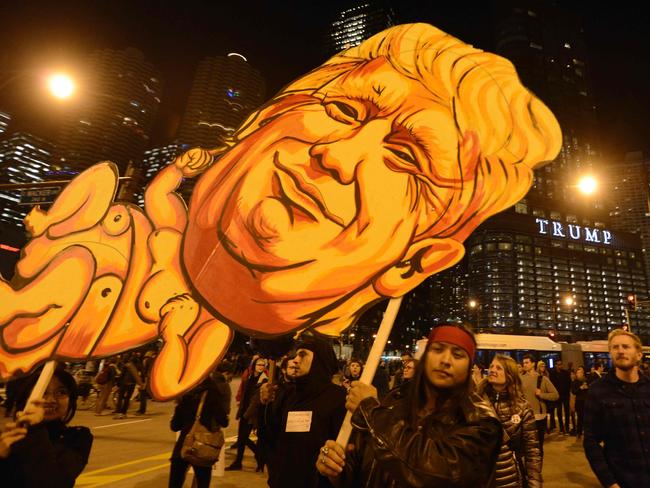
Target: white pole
43	380
372	362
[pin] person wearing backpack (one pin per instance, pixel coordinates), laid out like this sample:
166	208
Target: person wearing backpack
105	379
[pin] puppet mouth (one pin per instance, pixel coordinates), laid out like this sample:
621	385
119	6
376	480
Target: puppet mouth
294	190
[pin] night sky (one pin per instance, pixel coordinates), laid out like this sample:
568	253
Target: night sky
284	39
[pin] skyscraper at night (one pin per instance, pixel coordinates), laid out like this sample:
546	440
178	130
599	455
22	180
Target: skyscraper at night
545	42
225	90
5	118
112	115
630	210
357	23
24	158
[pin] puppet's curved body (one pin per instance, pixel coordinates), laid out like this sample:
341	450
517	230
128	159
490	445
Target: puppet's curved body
99	278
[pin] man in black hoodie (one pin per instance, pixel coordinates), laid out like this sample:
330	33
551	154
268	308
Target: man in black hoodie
300	415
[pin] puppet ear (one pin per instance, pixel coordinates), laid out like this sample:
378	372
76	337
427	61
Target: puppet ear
422	259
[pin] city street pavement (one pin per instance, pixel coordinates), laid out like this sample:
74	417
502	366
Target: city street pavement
134	453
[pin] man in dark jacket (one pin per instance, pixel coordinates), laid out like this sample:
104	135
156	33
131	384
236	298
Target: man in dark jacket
300	415
617	415
561	379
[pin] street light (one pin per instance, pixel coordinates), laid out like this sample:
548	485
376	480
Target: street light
473	305
587	184
61	85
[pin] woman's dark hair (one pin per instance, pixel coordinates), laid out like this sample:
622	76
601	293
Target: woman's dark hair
67	381
447	400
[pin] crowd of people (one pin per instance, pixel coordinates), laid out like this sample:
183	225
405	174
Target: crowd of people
436	420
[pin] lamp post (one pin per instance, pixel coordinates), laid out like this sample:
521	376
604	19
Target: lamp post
474	307
567	301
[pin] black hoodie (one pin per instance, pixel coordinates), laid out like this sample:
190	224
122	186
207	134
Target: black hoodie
292	455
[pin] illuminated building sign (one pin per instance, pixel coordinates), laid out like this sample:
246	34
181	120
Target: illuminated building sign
573	231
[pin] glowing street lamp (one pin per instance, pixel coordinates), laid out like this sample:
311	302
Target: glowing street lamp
61	85
473	304
568	301
587	185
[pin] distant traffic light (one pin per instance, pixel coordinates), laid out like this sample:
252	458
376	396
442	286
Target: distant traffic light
631	301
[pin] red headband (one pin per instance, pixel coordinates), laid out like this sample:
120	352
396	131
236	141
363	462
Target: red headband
453	335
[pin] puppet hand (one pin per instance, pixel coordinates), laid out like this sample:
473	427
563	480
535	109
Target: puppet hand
177	315
331	459
194	161
357	393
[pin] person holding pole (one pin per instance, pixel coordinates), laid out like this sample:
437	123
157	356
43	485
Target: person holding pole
39	448
300	415
434	431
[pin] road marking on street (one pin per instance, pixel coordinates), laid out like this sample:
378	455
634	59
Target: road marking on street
121	423
164	455
92	481
96	478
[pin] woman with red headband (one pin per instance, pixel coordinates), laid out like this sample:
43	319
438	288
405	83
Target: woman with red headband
434	431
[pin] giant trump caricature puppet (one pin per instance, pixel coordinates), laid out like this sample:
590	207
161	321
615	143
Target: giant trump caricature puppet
353	184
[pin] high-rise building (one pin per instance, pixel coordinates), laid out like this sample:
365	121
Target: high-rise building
630	194
545	42
357	23
225	90
5	118
113	114
534	270
24	158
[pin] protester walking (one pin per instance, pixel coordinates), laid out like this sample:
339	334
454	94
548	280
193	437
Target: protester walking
213	396
39	449
105	379
519	464
126	383
249	388
145	371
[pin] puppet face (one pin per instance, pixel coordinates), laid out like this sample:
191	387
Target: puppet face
317	203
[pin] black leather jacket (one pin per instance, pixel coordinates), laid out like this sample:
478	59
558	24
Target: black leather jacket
444	450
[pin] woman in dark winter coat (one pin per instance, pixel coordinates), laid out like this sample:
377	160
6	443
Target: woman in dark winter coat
213	416
520	463
433	432
39	449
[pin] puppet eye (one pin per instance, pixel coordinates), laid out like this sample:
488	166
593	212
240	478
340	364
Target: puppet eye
405	155
342	112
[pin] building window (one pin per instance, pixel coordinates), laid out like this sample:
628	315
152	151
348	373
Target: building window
521	208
